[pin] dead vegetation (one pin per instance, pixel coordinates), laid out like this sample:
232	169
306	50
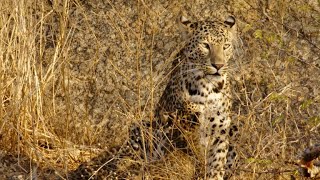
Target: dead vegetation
75	73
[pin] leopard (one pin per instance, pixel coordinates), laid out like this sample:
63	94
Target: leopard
193	114
196	103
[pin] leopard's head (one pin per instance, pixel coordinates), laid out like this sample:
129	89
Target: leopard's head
209	47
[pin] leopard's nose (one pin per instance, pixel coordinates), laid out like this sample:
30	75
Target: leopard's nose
217	66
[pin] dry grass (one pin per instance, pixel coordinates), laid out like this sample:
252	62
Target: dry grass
74	73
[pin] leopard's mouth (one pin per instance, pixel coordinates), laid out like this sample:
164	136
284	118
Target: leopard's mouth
214	74
211	71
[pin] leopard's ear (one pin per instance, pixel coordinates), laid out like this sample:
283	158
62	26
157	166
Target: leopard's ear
230	21
186	27
186	22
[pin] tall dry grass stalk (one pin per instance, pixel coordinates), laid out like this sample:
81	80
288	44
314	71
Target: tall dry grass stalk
29	77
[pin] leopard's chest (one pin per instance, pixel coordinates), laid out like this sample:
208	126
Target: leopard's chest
205	93
206	110
213	106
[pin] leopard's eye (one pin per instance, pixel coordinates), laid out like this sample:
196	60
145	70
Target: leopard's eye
206	45
226	46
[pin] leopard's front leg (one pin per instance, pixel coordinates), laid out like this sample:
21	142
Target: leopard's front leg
214	140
